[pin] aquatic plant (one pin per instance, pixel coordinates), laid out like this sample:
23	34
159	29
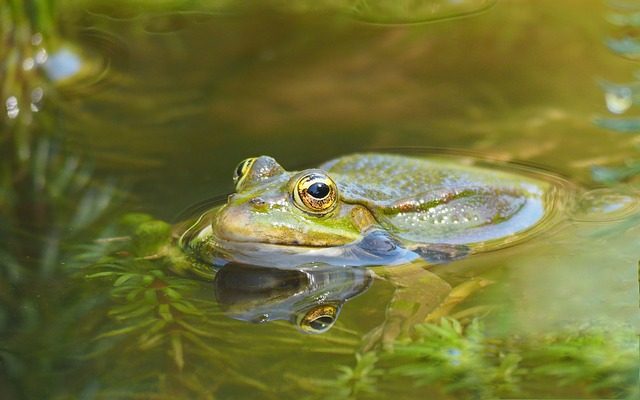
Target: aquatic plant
161	311
447	359
48	202
351	382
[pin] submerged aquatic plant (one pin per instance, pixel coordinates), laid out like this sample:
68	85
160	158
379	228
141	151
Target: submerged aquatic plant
443	353
47	203
157	315
161	312
447	358
351	382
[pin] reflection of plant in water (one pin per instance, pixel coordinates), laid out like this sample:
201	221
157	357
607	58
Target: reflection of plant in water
48	202
451	359
620	99
49	199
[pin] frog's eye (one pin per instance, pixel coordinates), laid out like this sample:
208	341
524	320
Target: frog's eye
241	171
315	193
319	319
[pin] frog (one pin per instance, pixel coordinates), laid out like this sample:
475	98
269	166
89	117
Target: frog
397	215
368	209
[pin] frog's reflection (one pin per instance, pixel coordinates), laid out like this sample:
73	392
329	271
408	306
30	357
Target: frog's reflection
309	296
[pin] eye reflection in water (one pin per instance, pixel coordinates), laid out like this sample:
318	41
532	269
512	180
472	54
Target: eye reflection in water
309	296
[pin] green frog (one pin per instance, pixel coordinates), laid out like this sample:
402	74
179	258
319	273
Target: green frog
368	210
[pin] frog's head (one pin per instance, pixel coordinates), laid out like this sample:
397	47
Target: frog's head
275	206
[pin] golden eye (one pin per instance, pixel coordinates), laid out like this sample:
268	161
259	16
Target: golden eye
315	193
319	319
241	171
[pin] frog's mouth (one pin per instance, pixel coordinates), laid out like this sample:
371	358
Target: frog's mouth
205	240
233	224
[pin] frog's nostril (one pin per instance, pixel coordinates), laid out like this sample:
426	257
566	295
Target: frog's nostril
257	202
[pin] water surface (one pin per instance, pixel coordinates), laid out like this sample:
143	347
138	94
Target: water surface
176	97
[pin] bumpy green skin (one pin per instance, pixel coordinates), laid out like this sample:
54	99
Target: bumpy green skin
414	200
435	201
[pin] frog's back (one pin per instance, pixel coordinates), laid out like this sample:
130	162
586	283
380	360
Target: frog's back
439	201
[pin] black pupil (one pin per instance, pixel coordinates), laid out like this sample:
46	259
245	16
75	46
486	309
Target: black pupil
321	323
319	190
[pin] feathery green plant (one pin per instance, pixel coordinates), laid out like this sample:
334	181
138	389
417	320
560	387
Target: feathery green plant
170	320
49	202
449	359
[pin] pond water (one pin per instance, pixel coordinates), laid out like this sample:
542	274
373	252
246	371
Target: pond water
150	106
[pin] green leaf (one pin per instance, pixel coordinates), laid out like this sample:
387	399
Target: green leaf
123	278
126	329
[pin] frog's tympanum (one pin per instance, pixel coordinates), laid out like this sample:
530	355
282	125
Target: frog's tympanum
367	209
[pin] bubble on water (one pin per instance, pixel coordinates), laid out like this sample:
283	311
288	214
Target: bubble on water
37	95
601	205
618	98
41	56
36	39
13	109
28	64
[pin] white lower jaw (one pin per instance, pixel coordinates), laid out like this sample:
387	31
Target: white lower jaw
218	247
220	252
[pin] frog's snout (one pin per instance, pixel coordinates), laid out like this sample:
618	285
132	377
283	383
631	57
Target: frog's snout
231	223
241	222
